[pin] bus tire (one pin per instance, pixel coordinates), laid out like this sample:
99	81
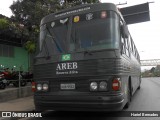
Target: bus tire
139	87
129	96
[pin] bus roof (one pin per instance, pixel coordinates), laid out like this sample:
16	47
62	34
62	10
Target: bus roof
79	10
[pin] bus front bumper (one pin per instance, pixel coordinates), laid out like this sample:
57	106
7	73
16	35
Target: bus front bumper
79	103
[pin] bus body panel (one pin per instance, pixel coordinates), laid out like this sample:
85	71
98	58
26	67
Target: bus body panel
80	102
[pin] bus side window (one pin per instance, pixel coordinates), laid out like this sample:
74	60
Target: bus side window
124	39
123	45
133	49
130	43
127	47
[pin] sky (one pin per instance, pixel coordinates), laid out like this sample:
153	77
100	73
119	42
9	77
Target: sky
145	35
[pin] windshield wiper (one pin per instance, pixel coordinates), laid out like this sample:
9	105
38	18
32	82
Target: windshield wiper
53	38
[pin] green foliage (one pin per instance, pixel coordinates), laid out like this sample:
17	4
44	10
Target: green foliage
71	3
4	23
81	1
153	72
30	46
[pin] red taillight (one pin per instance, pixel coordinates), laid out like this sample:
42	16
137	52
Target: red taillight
116	84
33	86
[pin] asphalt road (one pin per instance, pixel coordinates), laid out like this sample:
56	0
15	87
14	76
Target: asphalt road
145	99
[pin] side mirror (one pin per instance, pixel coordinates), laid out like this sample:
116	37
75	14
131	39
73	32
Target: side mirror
124	31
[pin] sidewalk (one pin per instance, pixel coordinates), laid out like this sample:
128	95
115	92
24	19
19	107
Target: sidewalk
21	104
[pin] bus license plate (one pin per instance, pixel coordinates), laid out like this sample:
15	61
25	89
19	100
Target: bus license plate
68	86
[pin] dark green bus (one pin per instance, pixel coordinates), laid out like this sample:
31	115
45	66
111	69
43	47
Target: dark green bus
87	60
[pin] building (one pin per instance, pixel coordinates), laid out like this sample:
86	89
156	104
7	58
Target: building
12	53
13	57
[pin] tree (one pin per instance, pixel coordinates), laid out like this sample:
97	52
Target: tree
10	32
30	46
4	23
152	70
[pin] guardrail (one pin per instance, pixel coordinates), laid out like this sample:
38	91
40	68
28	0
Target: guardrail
150	62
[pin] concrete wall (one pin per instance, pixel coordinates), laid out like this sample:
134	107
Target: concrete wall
13	93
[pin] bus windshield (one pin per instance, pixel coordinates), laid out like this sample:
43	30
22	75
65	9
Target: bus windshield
90	31
52	39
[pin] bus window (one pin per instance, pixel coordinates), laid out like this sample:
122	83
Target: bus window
97	33
130	43
127	48
53	37
123	46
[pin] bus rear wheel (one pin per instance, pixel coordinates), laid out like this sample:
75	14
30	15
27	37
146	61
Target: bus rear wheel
129	97
139	87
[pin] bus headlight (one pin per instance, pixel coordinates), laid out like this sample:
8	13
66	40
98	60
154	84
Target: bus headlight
103	86
93	86
39	87
45	86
